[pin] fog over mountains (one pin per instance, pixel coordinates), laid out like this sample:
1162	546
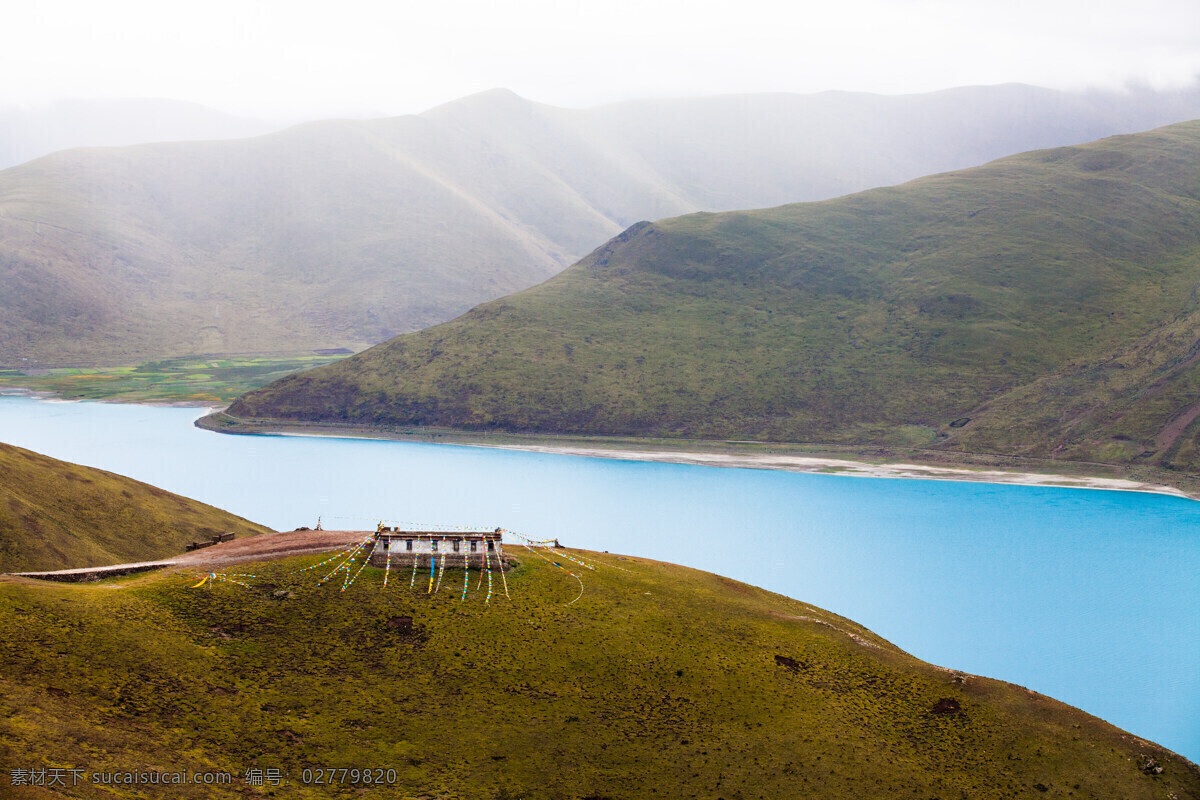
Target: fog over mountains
345	233
27	133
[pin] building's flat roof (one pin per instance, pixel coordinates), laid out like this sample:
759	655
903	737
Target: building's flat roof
441	534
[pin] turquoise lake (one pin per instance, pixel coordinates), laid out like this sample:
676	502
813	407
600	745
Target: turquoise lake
1091	597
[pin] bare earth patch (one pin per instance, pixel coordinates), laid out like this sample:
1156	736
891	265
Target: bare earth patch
252	548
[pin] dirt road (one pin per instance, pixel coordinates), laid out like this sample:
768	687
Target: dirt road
252	548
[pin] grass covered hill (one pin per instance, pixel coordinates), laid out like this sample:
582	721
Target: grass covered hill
341	234
659	681
57	515
1044	304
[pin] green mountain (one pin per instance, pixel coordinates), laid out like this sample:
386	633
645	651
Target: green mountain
1044	304
57	515
658	681
342	234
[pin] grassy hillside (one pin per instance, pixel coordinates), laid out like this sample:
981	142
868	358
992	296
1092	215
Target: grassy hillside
346	233
57	515
659	681
1044	304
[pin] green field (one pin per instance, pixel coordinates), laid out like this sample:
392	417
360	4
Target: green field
208	381
659	681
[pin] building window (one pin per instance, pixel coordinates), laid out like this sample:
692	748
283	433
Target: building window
408	544
456	545
491	547
434	544
473	545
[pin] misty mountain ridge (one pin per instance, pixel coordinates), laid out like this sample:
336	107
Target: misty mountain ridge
1041	305
345	233
32	132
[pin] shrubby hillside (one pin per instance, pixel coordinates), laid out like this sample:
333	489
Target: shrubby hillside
1044	304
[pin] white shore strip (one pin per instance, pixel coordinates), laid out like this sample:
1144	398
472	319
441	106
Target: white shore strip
786	463
860	469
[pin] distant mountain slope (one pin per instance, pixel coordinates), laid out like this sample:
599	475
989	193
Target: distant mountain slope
57	515
344	233
28	133
771	149
1043	304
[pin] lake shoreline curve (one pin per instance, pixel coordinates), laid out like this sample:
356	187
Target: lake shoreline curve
864	461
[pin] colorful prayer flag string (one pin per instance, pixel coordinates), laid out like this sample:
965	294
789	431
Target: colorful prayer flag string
576	559
212	577
349	581
442	570
611	566
487	562
560	566
341	552
500	559
345	562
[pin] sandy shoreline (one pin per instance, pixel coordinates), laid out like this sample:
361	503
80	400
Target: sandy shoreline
860	469
795	463
775	461
817	464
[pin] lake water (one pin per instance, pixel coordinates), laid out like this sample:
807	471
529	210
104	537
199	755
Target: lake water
1091	597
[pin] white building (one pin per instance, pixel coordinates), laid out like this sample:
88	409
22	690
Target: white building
459	548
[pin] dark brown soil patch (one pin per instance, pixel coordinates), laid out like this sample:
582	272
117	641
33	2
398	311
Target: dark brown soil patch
947	706
790	663
291	737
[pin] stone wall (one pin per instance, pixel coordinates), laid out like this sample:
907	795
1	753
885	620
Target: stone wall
403	558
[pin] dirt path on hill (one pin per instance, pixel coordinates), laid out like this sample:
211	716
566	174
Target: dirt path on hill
1175	428
270	545
252	548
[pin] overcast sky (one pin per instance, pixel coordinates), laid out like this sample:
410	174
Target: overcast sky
298	59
